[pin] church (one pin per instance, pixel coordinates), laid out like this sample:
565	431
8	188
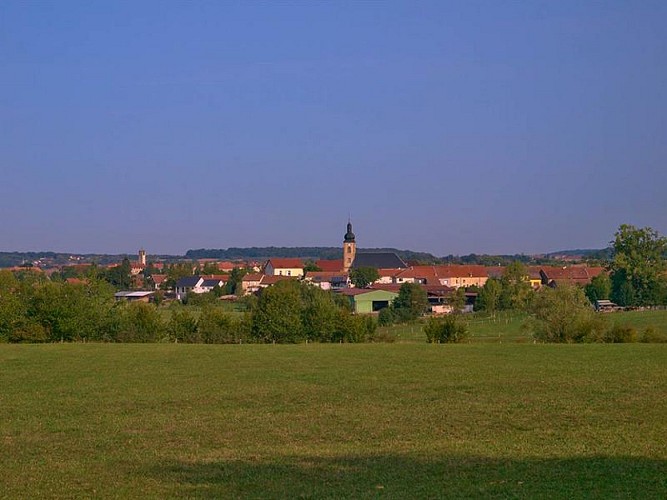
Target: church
353	259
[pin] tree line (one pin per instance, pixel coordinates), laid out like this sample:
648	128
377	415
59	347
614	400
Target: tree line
33	309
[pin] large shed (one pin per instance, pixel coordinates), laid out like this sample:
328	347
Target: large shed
368	300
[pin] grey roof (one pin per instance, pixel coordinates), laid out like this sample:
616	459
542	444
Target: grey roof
187	282
379	260
211	282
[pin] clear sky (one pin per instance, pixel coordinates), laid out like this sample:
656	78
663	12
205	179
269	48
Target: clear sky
447	127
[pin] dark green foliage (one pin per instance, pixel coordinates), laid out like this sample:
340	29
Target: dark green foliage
457	300
621	334
233	284
638	267
361	277
564	314
599	288
447	329
120	276
387	317
278	315
219	327
489	295
511	292
183	326
292	312
263	253
411	302
138	322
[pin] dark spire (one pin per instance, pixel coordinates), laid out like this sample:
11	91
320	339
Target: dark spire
349	236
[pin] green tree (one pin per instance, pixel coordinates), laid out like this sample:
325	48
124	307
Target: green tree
516	290
489	296
183	326
361	277
320	314
457	300
138	322
599	288
638	266
564	314
120	276
219	327
277	316
411	302
311	267
447	329
233	284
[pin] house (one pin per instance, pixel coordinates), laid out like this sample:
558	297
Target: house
250	283
198	284
457	276
327	280
267	281
158	280
368	300
387	276
284	267
575	275
186	285
424	275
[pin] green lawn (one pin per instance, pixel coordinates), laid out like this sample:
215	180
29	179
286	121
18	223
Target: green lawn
507	326
405	420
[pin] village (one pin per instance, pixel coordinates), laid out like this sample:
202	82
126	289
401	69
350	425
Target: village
152	278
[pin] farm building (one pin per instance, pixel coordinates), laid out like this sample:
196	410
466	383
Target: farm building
368	300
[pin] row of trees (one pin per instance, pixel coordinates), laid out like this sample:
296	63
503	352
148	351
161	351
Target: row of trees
35	310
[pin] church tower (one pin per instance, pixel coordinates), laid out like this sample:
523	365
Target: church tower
349	248
142	257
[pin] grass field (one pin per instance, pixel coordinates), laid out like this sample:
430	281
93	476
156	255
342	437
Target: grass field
399	420
507	326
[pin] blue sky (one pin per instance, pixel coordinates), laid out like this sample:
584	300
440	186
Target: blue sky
447	127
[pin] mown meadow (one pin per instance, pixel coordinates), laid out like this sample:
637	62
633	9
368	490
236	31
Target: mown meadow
401	420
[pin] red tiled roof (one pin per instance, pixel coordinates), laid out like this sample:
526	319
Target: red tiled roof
461	271
285	263
389	273
574	274
220	277
335	265
252	277
159	278
272	280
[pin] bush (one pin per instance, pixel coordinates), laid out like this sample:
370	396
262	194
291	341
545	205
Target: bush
183	326
448	329
621	334
139	322
219	327
564	314
650	335
386	317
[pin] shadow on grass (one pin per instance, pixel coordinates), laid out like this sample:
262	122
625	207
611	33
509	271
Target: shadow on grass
405	477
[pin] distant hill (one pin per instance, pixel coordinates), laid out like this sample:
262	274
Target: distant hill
56	259
260	253
586	253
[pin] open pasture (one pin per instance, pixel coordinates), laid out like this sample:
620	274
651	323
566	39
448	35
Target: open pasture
332	421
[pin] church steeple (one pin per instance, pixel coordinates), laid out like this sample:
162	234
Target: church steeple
349	247
349	236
